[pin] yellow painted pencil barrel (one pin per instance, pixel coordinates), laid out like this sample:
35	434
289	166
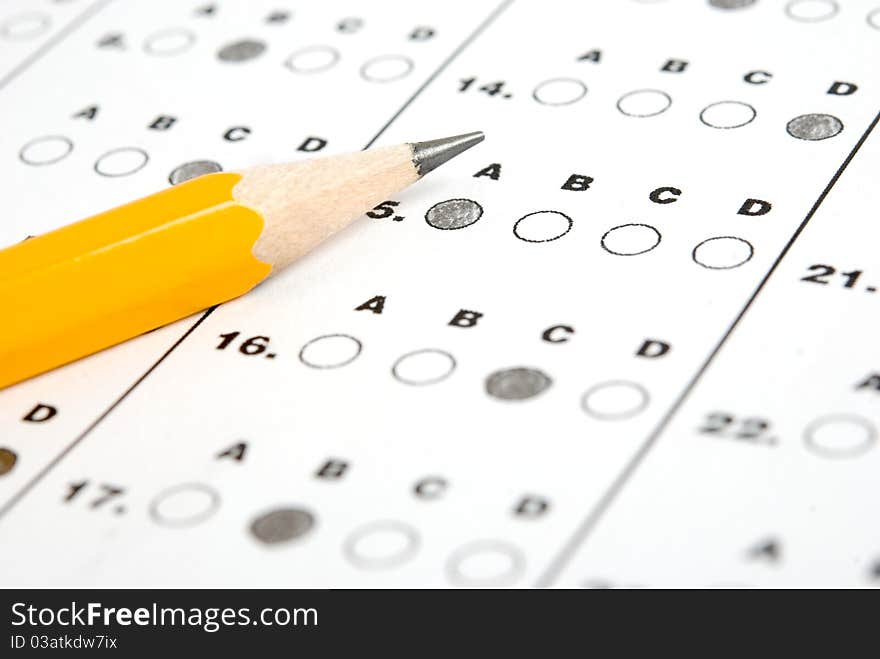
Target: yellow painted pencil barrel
97	282
121	273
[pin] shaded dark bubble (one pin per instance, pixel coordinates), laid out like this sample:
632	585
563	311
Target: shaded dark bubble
517	383
241	51
814	127
190	170
282	525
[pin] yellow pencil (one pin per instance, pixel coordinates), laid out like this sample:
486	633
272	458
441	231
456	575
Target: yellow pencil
93	284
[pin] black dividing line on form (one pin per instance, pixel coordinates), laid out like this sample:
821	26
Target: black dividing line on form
62	34
589	524
458	51
58	458
51	465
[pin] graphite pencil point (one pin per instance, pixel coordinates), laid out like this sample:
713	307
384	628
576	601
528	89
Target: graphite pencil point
428	156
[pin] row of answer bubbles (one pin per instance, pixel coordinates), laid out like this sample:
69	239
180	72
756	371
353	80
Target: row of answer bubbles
454	213
122	161
805	11
725	115
419	367
387	544
721	252
607	400
834	436
378	545
632	239
315	58
30	25
50	149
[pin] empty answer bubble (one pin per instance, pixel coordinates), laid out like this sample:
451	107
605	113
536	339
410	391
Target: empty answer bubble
840	436
241	51
615	400
811	10
874	19
169	42
184	505
517	383
427	366
644	103
121	162
330	351
485	563
630	239
542	226
381	545
45	150
454	214
387	68
728	114
281	525
8	458
814	126
25	26
190	170
312	59
559	91
723	252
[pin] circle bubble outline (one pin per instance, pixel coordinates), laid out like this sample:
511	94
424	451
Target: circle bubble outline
191	521
818	449
745	123
650	114
455	560
835	9
360	347
288	63
723	267
385	562
630	224
583	93
414	383
189	43
120	150
63	138
546	240
616	416
409	63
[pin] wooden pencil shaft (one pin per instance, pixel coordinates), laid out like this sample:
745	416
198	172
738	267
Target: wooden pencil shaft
305	203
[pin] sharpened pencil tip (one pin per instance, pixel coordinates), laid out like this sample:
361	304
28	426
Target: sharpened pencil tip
428	156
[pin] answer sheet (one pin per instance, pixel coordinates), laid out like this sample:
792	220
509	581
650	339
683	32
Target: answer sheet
627	341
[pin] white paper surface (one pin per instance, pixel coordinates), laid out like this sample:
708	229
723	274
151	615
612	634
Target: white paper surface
739	449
